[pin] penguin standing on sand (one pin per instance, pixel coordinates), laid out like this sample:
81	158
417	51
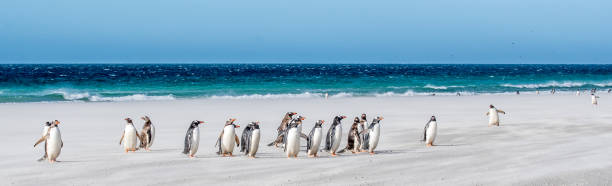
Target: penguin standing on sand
53	142
594	99
353	139
292	137
362	131
281	129
313	142
250	139
44	132
192	138
430	132
372	135
494	116
130	136
147	133
334	135
228	138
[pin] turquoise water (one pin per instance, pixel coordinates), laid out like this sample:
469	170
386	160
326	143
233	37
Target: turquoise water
115	82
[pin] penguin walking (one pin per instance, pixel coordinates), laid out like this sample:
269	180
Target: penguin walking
353	139
430	132
228	138
130	136
313	142
494	116
281	129
292	137
44	132
192	138
250	139
594	99
53	142
147	133
372	135
334	135
362	131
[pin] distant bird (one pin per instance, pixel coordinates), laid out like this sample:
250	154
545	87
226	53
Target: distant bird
430	132
334	135
130	136
250	139
53	142
192	138
228	138
493	115
147	133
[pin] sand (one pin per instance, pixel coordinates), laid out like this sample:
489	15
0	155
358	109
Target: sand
543	140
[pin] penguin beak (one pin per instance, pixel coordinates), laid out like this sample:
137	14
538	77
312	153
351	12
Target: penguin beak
234	119
303	118
200	122
381	118
322	121
343	117
237	126
57	122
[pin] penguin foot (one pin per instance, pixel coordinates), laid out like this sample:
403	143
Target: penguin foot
372	153
429	144
191	156
334	154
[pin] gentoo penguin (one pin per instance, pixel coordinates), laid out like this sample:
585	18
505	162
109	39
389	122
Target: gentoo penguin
362	122
334	135
250	139
314	139
494	116
353	139
44	132
192	138
281	129
372	135
228	138
147	133
130	136
431	129
53	142
292	137
594	99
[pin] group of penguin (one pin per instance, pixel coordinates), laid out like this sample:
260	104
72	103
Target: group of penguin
361	138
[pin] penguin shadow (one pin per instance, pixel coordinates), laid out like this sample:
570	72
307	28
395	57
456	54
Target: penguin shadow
387	152
163	150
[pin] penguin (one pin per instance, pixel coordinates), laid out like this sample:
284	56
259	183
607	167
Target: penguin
192	138
292	137
334	135
353	140
494	116
228	138
430	132
372	135
44	132
147	133
53	142
130	136
594	99
578	92
314	139
281	129
362	133
250	139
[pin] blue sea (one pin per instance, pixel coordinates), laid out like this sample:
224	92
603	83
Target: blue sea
134	82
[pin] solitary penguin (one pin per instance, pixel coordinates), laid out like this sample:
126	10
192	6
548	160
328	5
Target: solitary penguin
250	139
334	135
44	132
430	132
292	137
362	131
494	116
353	139
53	142
281	129
314	139
147	133
594	99
192	138
372	135
130	136
228	138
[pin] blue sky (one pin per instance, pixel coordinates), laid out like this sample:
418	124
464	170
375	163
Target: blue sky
392	31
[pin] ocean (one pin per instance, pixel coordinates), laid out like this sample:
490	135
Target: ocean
134	82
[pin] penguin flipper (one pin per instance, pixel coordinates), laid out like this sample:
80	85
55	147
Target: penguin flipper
188	141
304	136
425	131
122	135
237	141
501	111
40	140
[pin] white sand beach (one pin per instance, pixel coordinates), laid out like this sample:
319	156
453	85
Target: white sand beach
542	140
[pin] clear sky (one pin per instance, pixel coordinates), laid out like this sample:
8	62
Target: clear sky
399	31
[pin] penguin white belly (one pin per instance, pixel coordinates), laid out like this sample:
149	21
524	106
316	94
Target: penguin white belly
45	129
374	137
493	117
152	136
228	140
254	142
54	144
337	138
594	100
316	141
293	142
431	132
130	138
195	141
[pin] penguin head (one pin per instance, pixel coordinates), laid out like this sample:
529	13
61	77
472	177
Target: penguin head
256	123
55	123
433	118
491	106
356	120
128	120
48	123
196	122
300	119
379	118
291	114
319	123
363	116
146	119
